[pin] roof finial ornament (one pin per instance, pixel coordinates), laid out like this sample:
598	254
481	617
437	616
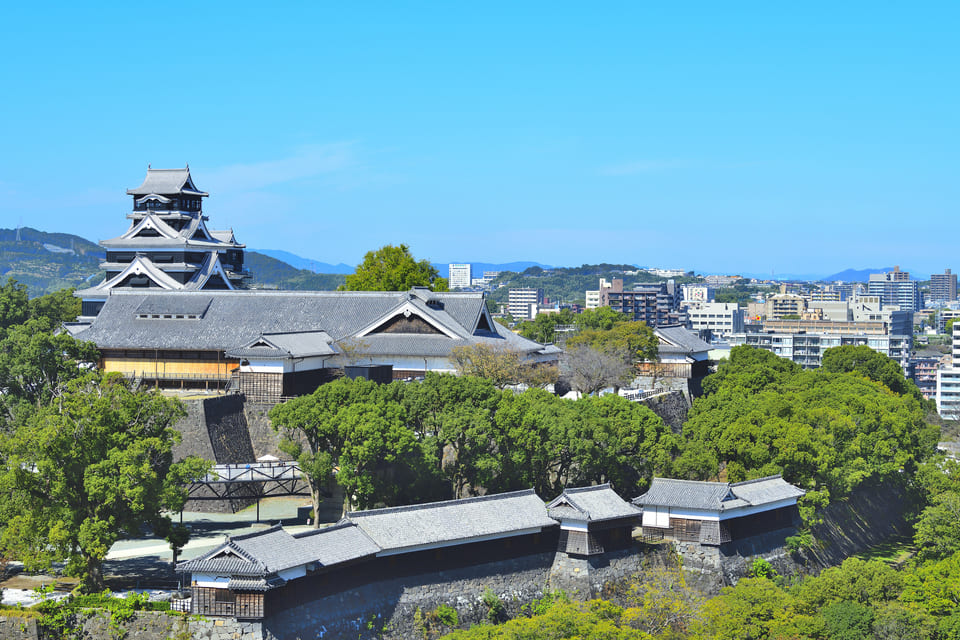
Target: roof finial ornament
148	166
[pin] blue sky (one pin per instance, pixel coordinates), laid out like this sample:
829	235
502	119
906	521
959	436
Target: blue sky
720	137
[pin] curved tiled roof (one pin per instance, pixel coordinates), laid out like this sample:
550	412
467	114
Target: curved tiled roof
452	521
594	504
166	182
717	496
235	319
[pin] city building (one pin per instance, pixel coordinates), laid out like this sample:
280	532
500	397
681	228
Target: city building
925	369
948	382
697	292
806	349
657	304
167	246
784	305
459	276
667	273
722	281
593	295
896	288
943	287
524	303
719	318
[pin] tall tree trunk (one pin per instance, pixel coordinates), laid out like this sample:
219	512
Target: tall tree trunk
93	580
315	500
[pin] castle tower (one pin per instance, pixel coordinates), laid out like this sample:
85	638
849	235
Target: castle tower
167	246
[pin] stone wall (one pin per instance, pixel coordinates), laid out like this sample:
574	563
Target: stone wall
226	429
402	607
866	518
672	407
143	625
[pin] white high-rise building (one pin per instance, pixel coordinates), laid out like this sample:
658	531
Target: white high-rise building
459	276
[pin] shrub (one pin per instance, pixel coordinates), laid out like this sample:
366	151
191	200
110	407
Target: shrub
447	615
496	612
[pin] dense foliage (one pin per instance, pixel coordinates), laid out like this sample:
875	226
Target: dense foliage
858	600
825	432
391	268
84	458
451	436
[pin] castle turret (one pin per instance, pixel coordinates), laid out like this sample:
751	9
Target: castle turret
167	245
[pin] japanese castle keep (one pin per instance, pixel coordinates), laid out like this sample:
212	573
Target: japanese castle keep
168	246
172	312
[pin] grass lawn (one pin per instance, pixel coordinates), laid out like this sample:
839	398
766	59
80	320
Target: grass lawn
894	551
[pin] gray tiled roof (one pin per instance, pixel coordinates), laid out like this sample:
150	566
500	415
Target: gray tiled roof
227	559
453	521
275	548
300	344
717	496
235	319
342	542
592	503
254	584
164	182
764	490
681	340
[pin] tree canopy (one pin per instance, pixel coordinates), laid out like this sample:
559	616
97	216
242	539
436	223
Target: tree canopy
456	435
94	464
393	268
825	432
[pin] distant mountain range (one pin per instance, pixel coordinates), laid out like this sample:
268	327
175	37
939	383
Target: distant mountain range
46	262
306	263
477	268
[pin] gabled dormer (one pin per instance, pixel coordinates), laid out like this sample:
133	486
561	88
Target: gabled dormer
150	226
409	318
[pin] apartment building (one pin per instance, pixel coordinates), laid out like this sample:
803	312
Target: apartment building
719	318
523	303
896	288
943	287
459	276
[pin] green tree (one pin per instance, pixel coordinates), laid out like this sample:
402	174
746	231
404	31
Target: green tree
826	432
600	319
867	362
542	329
14	304
35	364
391	268
934	587
60	306
634	338
938	529
855	580
95	464
502	365
755	608
846	620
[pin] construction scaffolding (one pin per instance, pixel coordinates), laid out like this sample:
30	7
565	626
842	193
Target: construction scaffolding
255	480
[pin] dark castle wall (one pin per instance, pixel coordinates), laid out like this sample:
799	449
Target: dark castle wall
226	430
